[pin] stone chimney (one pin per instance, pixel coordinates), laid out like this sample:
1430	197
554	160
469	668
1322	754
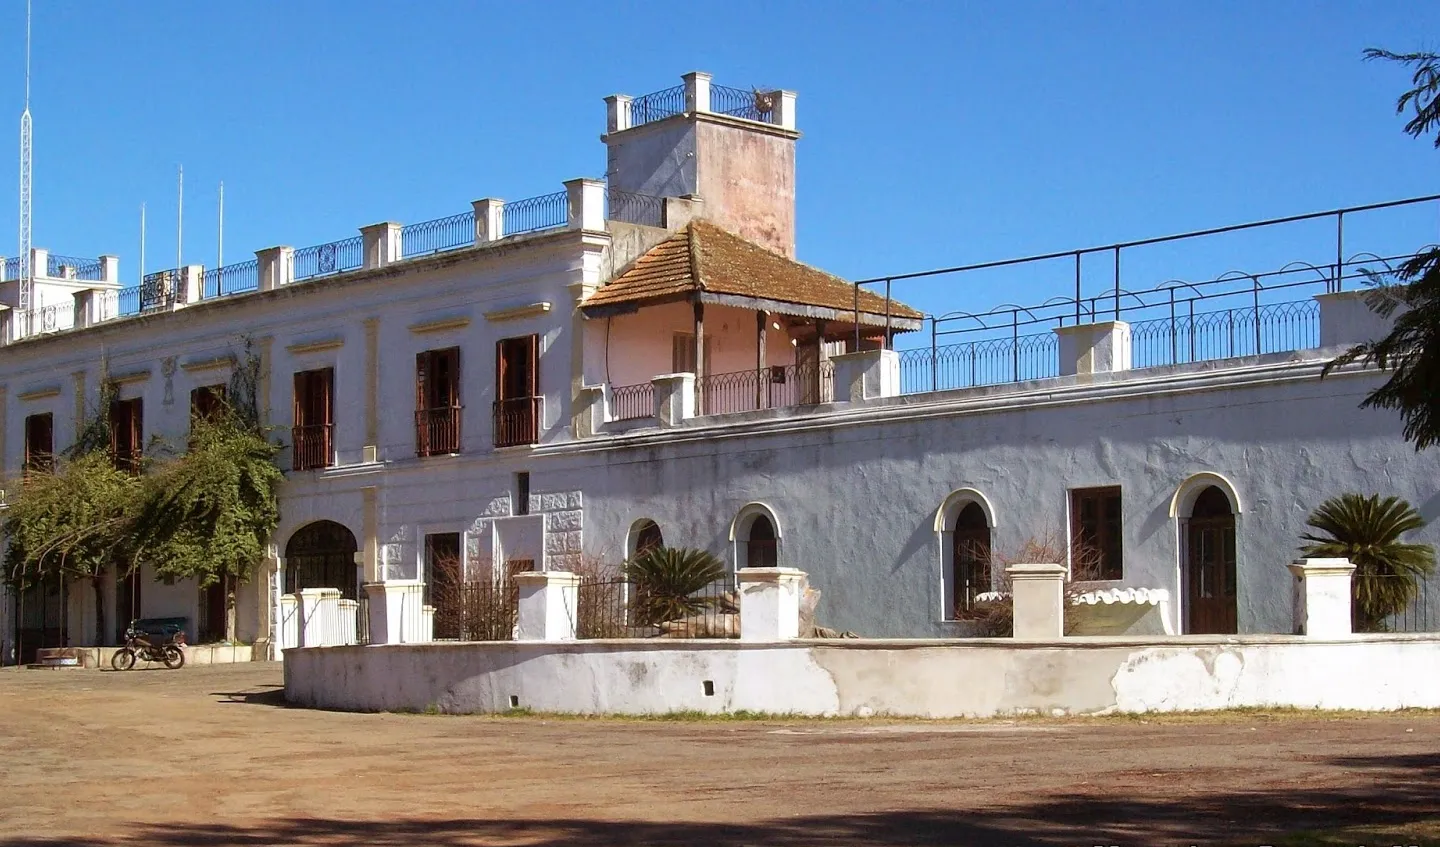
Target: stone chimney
733	148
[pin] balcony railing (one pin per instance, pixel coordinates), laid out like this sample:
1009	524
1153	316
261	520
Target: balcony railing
772	388
232	279
333	258
632	402
657	106
536	213
87	269
517	421
10	269
750	104
438	235
643	209
437	431
312	446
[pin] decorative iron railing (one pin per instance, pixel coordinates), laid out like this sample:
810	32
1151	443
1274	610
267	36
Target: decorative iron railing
657	106
437	431
517	421
156	292
985	362
1225	334
619	608
632	402
10	269
324	259
438	235
69	267
642	209
750	104
1415	614
476	611
232	279
772	388
535	213
312	446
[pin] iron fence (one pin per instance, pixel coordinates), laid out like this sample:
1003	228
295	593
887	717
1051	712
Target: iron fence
989	361
517	421
750	104
437	431
631	402
477	611
311	447
438	235
69	267
1413	616
10	269
619	608
324	259
657	106
1225	334
231	279
642	209
771	388
362	618
535	213
156	292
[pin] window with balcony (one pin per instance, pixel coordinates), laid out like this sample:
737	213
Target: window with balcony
127	433
314	429
518	402
437	402
1095	534
40	443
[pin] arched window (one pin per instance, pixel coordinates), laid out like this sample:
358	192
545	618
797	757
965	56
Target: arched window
321	555
760	547
648	537
970	551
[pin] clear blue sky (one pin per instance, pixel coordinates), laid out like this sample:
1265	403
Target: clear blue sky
935	133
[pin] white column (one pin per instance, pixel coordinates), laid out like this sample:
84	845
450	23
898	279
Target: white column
489	219
395	611
1322	597
1037	597
697	91
1346	318
770	603
276	267
39	264
674	398
191	285
548	604
617	112
381	244
110	269
586	200
867	375
592	405
1094	348
288	626
318	609
784	114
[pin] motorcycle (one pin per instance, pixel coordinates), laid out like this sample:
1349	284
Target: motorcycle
166	647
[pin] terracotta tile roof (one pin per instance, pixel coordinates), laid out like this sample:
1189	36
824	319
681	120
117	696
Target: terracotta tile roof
705	258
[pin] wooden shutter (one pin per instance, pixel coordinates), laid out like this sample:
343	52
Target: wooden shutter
502	370
327	396
137	428
422	381
115	412
532	365
299	399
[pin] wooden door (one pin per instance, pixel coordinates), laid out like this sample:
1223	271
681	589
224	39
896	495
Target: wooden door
1210	565
517	412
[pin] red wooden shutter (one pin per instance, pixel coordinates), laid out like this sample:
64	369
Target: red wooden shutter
532	365
502	370
299	399
327	396
137	428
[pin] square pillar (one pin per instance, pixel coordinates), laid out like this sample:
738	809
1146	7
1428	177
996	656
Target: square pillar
39	262
288	625
381	244
489	219
396	616
867	375
617	112
1037	595
189	288
586	200
770	603
110	269
592	404
319	613
697	91
548	604
1346	319
1322	597
783	114
1094	348
674	398
276	267
84	308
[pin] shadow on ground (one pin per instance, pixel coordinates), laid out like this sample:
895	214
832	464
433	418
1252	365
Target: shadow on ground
1396	797
265	695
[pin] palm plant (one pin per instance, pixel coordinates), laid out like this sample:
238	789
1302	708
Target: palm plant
667	580
1367	530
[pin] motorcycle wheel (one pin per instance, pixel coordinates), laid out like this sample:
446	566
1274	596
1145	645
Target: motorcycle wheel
174	658
123	660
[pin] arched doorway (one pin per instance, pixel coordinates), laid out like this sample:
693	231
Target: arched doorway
970	551
1210	564
761	550
647	536
321	555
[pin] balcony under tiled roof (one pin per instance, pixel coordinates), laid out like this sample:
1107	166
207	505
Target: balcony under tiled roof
703	262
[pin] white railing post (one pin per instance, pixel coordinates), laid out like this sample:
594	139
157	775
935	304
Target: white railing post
617	112
674	398
276	267
1037	597
770	603
489	219
1323	597
586	201
697	91
381	244
549	602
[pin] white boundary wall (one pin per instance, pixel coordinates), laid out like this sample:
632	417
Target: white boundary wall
919	678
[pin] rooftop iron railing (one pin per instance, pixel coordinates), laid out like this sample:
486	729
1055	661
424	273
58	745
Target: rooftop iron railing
335	257
642	209
231	279
535	213
437	236
10	269
748	103
92	270
657	106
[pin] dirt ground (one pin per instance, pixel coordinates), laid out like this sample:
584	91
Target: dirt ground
212	755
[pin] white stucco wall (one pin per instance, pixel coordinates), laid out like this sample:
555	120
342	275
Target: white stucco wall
911	679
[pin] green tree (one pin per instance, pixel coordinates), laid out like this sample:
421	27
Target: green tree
1411	294
1367	530
666	581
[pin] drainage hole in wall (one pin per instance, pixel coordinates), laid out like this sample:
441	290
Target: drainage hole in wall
709	687
514	701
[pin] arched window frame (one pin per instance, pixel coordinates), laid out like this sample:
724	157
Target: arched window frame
740	533
1182	505
284	553
945	517
637	529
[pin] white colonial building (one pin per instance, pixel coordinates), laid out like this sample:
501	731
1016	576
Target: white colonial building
546	383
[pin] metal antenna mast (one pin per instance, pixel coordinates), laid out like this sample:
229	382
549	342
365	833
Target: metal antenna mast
27	273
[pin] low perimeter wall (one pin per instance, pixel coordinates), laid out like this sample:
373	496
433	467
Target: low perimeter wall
931	679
